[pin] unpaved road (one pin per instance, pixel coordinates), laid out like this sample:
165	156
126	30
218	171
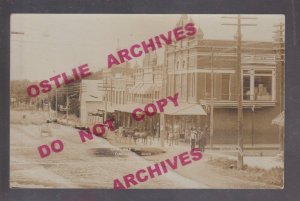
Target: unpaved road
93	164
79	165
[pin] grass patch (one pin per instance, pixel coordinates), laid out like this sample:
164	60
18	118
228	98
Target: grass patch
272	176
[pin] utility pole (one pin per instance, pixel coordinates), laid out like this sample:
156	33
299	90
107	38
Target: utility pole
162	95
240	161
67	106
105	112
280	49
56	101
211	99
111	92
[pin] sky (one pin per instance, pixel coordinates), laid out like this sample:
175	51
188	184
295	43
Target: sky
56	43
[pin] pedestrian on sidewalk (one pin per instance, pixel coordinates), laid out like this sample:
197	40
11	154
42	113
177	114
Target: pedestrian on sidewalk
120	133
187	135
202	141
158	131
171	139
176	134
205	136
193	138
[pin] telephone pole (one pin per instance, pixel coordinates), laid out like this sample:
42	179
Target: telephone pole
67	106
163	93
211	129
105	112
240	161
111	92
56	102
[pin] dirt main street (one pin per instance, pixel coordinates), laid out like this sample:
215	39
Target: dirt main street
96	163
93	164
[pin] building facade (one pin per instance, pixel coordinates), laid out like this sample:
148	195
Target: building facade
204	72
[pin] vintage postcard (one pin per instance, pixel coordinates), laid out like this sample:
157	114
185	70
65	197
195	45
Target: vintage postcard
144	101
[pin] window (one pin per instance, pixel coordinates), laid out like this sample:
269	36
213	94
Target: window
225	87
184	85
192	61
177	84
203	61
263	87
259	85
207	85
193	84
221	86
117	97
246	87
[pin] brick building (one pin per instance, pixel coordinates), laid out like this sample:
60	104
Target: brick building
203	72
192	62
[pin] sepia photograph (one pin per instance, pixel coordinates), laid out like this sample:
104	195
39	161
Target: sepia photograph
147	101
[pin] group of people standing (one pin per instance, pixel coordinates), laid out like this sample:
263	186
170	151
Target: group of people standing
198	137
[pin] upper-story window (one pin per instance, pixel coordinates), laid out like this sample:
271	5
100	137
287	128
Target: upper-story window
183	64
259	85
177	65
221	86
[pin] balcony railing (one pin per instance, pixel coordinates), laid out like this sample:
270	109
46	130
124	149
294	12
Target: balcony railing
230	100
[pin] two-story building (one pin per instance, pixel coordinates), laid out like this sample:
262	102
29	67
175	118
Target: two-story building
203	72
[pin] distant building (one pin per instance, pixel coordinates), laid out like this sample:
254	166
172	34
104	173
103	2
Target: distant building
147	80
91	101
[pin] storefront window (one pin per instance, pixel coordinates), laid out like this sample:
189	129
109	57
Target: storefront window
258	85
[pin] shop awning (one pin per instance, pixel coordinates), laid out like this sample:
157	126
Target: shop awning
130	107
110	108
279	119
185	109
170	109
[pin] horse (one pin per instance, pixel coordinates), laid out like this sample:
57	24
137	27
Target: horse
143	136
128	133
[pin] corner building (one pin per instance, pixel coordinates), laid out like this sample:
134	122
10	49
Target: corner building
203	72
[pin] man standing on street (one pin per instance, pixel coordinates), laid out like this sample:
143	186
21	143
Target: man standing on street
193	138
